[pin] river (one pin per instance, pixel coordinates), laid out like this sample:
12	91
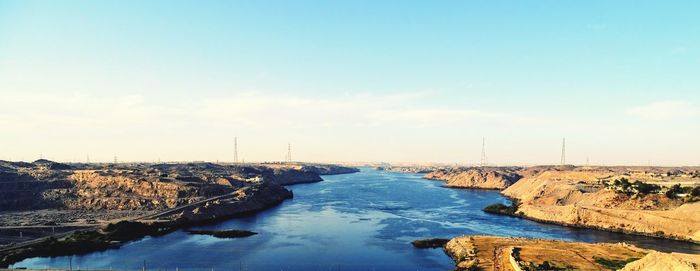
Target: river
361	221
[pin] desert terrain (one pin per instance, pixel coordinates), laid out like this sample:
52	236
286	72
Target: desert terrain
46	199
504	253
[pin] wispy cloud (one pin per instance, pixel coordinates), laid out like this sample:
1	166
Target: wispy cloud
665	110
241	110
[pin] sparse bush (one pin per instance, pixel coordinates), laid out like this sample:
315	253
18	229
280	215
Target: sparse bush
673	192
623	185
695	192
645	188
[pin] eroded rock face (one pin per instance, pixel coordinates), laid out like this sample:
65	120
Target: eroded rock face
482	178
579	197
104	191
245	200
322	169
46	184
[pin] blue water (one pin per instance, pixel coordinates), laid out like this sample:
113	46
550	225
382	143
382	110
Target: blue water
361	221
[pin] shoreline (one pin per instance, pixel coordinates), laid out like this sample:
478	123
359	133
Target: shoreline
81	242
563	224
589	227
101	240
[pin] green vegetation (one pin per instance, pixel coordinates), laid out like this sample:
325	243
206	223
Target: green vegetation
109	236
623	185
546	265
613	264
695	192
639	188
430	243
673	191
224	233
502	209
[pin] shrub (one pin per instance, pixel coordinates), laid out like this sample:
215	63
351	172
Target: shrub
645	188
613	264
695	192
673	192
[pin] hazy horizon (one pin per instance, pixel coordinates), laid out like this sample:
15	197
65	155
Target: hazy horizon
390	81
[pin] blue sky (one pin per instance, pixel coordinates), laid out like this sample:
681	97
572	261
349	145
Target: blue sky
412	81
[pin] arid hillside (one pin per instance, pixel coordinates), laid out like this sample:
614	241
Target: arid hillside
477	177
661	202
105	191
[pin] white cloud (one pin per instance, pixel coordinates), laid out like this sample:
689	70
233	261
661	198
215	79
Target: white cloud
240	110
665	110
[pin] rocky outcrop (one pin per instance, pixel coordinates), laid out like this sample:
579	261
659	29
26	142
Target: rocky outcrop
51	165
288	176
245	200
322	169
46	184
482	178
579	197
102	191
658	261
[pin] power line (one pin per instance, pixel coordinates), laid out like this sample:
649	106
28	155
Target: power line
563	151
484	160
288	158
235	149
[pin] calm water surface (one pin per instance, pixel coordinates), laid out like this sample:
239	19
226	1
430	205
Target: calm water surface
361	221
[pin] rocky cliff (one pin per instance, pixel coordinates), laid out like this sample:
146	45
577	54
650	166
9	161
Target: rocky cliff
245	200
46	184
583	197
324	169
482	178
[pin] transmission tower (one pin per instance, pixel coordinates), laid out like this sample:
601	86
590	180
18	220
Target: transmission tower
563	151
88	159
484	160
289	153
235	150
115	158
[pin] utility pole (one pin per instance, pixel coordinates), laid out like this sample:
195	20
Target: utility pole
235	150
483	152
289	153
563	151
